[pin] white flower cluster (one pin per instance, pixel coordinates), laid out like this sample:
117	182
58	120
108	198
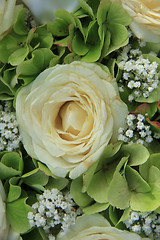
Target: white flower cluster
53	209
9	136
146	222
140	76
137	131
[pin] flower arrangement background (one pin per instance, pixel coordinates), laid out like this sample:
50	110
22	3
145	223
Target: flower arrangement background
79	120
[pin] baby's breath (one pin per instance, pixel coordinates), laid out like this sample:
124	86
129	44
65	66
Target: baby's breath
137	131
53	209
9	136
146	222
140	75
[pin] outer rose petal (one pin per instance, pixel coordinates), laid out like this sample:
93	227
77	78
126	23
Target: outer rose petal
90	227
145	18
6	233
81	91
8	14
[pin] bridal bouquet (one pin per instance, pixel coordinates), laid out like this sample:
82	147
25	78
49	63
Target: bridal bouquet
79	119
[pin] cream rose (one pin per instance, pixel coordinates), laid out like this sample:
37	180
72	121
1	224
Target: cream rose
8	14
6	233
67	116
146	18
95	227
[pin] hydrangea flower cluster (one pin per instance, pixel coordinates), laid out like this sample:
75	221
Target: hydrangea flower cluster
53	209
146	222
140	76
137	131
9	135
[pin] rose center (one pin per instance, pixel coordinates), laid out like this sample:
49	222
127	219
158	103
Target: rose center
73	117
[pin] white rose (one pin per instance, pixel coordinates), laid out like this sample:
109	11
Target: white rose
6	233
68	115
8	14
95	227
44	10
145	18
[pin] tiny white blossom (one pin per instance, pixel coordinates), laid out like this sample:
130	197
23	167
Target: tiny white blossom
120	130
149	139
140	125
137	84
131	84
130	98
140	117
140	141
136	228
129	133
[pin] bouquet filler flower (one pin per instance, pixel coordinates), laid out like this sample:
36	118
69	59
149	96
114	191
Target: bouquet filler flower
79	119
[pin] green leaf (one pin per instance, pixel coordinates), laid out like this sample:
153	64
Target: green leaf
138	154
62	43
5	89
87	9
20	24
87	176
155	125
153	97
119	36
35	179
42	38
7	172
14	191
34	234
145	202
98	188
93	54
66	16
135	181
58	28
9	44
117	14
82	199
102	11
4	97
29	69
154	175
119	194
93	42
109	152
59	183
78	44
125	215
10	80
146	108
154	160
17	213
71	57
18	56
45	169
107	42
12	159
95	208
113	215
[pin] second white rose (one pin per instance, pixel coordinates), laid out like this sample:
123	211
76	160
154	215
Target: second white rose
145	18
68	115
